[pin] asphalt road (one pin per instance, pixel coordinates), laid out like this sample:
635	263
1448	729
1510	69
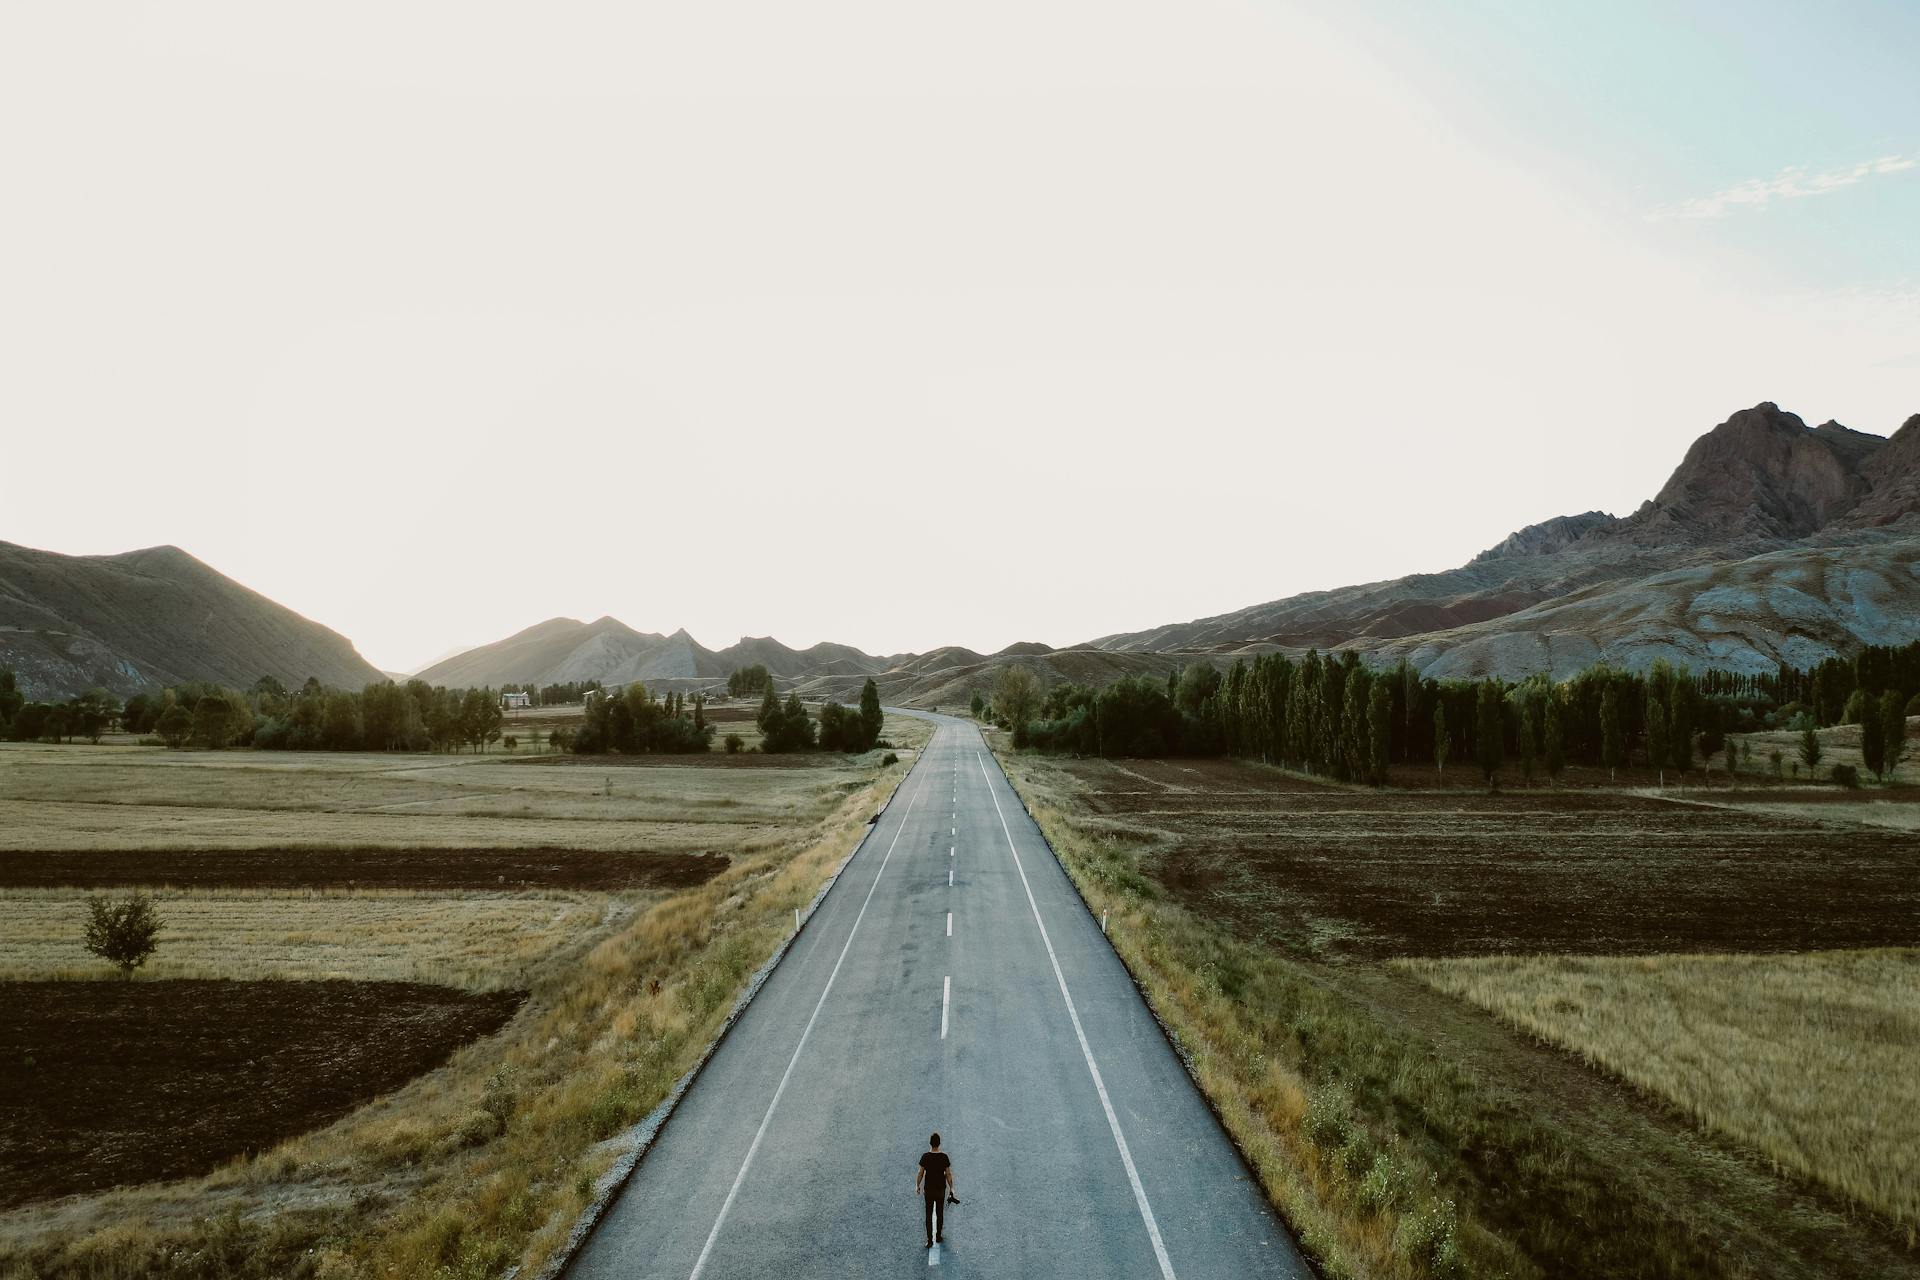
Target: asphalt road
1080	1146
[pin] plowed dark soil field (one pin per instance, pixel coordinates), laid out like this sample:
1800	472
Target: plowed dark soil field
107	1083
475	869
1331	871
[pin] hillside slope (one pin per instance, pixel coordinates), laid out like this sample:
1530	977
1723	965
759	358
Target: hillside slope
1760	482
1798	606
153	617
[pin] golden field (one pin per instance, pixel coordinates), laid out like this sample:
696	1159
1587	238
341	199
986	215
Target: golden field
1808	1058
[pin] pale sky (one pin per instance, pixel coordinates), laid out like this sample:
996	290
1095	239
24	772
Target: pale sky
904	325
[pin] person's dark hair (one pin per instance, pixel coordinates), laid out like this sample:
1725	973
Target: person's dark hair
934	1142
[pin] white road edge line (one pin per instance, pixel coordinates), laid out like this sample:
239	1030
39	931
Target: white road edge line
946	998
1100	1085
733	1192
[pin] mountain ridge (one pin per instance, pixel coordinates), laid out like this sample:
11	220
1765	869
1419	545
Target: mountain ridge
1760	482
150	617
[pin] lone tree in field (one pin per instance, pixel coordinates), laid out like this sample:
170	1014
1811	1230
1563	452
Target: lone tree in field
1810	747
122	933
870	713
1489	749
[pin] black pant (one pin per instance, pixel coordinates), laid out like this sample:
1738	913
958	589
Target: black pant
936	1212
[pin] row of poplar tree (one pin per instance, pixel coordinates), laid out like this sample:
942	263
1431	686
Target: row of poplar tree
381	717
1335	716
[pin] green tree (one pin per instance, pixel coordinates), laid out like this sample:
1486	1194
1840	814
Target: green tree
11	699
212	722
1442	744
1893	731
1379	732
1873	742
1657	735
1526	740
1556	738
978	706
92	712
1016	695
871	716
1489	747
1613	738
1809	745
123	933
175	726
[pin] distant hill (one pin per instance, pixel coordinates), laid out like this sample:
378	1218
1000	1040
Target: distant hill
565	650
153	617
1758	504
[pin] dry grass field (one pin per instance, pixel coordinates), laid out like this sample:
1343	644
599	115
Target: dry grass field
483	1161
478	942
1809	1059
1408	1133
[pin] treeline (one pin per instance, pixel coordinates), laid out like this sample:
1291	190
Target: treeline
747	681
785	726
88	716
634	722
381	717
1334	716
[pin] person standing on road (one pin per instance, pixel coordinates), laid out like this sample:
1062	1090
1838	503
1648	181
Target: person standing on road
934	1182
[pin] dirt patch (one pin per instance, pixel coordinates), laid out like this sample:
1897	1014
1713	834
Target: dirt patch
108	1083
1331	871
455	869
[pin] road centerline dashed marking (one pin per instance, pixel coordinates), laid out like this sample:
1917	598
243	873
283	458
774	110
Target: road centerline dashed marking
949	924
1086	1050
733	1192
946	999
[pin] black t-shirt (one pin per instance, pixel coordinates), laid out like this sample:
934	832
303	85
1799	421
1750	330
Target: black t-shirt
936	1164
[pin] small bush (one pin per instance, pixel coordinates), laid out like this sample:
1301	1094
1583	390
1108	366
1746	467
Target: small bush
890	758
1845	775
1330	1115
475	1128
733	743
123	933
1431	1236
1386	1185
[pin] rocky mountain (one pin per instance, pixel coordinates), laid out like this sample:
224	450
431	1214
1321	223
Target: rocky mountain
1761	484
564	650
560	650
153	617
